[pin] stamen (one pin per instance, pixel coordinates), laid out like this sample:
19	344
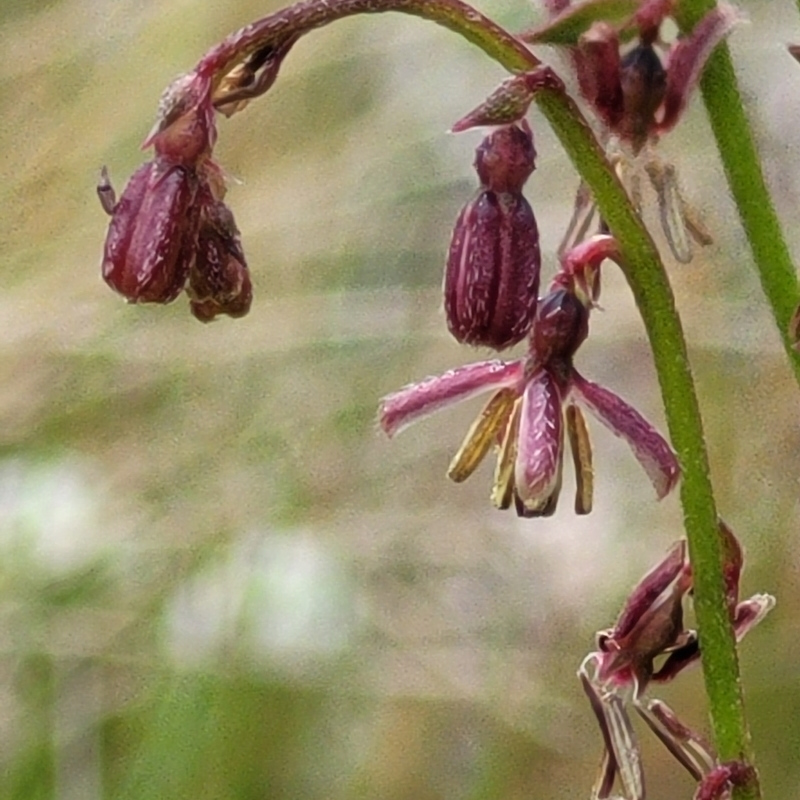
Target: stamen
483	433
503	487
581	446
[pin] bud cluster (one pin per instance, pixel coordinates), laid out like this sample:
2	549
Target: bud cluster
638	92
171	230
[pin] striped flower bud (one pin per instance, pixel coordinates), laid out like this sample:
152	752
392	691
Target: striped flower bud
151	238
492	275
505	159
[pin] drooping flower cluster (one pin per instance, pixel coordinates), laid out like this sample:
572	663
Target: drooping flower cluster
638	94
171	230
537	400
490	299
651	627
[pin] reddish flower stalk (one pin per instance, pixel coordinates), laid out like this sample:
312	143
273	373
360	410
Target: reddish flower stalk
268	40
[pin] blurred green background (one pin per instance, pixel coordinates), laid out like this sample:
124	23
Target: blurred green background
217	580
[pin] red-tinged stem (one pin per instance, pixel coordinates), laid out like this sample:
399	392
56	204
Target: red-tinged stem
312	14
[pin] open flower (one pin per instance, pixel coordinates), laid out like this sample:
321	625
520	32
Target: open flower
650	626
638	92
537	399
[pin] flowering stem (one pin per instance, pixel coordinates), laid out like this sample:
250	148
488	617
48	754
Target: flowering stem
648	281
746	180
651	289
303	17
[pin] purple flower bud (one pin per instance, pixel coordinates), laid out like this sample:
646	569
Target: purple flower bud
720	781
562	324
597	62
219	282
492	276
151	239
491	280
505	159
185	130
644	81
510	101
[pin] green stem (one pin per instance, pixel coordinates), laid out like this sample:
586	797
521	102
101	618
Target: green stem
654	298
746	180
648	281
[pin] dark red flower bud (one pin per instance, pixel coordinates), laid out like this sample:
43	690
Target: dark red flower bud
597	62
151	239
491	280
505	159
492	276
562	324
219	282
644	83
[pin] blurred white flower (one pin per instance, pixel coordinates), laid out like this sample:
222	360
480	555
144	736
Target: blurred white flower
284	599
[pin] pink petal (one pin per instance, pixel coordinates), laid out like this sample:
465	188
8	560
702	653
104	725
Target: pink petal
651	589
541	441
650	448
418	400
688	57
750	612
